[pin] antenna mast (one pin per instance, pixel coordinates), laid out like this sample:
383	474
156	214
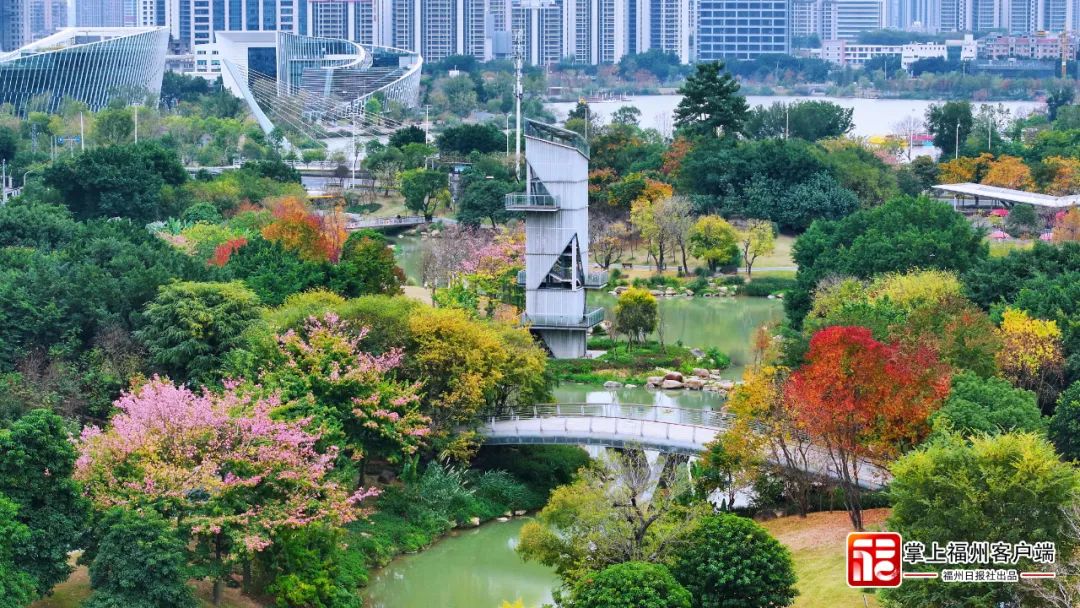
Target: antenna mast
519	55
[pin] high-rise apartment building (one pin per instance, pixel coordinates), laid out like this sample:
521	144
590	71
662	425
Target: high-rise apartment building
24	21
104	13
846	19
742	29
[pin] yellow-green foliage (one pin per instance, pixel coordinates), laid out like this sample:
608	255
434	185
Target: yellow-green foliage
202	239
915	288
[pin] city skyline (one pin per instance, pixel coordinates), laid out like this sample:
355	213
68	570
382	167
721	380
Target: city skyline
545	31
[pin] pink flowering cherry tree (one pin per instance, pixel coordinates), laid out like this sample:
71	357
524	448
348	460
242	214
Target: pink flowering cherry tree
218	465
323	375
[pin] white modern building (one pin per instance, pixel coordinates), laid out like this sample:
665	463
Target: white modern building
91	65
304	81
556	207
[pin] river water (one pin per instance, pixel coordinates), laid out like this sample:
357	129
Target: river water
871	116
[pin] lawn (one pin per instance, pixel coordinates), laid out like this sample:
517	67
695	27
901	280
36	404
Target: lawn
817	546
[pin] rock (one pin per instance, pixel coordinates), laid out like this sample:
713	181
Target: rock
650	385
715	375
673	376
780	296
630	385
701	373
508	514
656	292
612	384
711	388
474	521
772	297
695	384
519	512
656	380
502	519
727	385
671	384
613	293
697	352
688	292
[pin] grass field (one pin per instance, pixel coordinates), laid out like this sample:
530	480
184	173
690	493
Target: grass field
817	546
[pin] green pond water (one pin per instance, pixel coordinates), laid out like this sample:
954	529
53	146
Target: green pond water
474	568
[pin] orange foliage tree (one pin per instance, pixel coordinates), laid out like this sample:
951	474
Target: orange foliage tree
1008	172
1067	225
964	169
674	155
313	236
863	401
225	250
1063	175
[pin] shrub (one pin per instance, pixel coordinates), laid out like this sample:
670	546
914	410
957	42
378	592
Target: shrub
631	585
765	286
727	561
716	358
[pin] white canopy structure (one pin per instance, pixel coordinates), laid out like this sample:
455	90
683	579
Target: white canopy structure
1007	196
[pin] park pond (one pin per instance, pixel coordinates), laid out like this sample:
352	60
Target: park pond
474	568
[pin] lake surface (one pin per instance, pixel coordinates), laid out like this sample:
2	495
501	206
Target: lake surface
475	568
871	116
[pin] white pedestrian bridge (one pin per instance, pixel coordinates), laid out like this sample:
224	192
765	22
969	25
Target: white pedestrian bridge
625	425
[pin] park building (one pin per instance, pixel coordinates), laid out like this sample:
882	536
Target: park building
556	207
90	65
309	84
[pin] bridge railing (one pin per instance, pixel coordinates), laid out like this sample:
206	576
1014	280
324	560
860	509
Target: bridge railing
385	221
627	411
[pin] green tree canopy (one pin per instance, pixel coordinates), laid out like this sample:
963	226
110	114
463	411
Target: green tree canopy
1065	423
902	234
1007	488
484	200
809	120
367	266
636	314
191	326
987	406
130	181
37	459
711	105
17	587
631	585
421	188
948	123
465	139
727	561
139	562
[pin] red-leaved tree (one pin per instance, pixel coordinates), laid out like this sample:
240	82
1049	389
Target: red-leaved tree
864	401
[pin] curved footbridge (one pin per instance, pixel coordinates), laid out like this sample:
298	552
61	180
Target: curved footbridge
651	427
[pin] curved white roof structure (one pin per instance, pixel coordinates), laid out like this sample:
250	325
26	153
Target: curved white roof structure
306	82
91	65
1008	196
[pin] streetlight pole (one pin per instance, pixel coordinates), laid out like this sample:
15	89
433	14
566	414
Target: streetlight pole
957	150
506	131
